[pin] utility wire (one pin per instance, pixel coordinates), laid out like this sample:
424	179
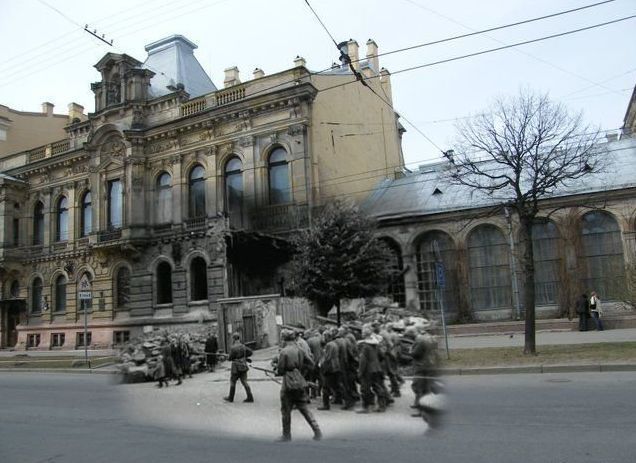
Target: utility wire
521	51
492	50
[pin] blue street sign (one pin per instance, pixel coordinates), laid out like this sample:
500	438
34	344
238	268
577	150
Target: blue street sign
439	272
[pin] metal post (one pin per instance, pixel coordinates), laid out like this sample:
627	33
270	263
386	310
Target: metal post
440	283
84	304
441	305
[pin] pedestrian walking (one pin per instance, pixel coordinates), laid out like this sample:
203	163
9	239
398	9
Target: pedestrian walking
211	348
291	361
596	311
347	366
330	371
582	309
175	367
239	356
314	340
425	362
371	373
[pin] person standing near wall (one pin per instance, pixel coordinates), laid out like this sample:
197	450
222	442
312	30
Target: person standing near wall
582	309
211	348
596	311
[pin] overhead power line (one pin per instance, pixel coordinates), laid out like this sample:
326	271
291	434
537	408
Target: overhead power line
492	50
534	57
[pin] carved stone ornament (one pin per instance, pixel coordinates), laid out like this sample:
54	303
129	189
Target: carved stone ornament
296	129
137	182
115	148
244	142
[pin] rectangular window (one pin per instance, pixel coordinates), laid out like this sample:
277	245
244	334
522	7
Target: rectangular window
33	340
120	337
57	339
80	339
114	204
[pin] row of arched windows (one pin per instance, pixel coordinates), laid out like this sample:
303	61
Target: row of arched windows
601	264
198	284
279	193
59	299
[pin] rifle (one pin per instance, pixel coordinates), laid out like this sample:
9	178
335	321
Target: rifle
267	372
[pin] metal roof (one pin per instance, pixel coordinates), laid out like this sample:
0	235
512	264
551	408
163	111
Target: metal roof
415	194
173	62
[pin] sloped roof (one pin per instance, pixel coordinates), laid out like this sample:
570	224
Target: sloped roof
173	62
415	194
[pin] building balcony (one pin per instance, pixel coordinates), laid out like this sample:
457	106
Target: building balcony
279	218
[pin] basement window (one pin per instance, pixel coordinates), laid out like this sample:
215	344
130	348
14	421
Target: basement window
120	337
33	340
57	339
79	341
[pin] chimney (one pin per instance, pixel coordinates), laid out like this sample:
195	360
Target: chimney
385	81
258	73
47	108
75	111
231	77
350	48
299	61
372	55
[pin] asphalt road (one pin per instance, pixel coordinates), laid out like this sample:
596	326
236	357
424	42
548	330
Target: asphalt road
578	418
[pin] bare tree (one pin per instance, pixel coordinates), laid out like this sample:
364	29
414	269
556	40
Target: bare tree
521	150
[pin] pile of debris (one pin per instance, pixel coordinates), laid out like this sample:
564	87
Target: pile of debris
139	359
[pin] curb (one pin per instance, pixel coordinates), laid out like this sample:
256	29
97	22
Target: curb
538	369
529	369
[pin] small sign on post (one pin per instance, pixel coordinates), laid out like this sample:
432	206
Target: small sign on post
84	290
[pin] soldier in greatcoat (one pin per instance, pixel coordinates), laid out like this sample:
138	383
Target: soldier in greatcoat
291	361
239	355
330	371
370	373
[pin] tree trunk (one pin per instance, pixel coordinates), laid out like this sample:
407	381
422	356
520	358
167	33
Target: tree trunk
338	312
525	236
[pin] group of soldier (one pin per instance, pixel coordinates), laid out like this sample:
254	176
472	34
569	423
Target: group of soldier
175	363
337	365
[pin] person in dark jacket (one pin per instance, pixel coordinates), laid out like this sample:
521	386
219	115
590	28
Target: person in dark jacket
211	348
314	340
183	359
291	360
582	307
239	355
177	372
329	368
346	372
370	373
167	368
425	362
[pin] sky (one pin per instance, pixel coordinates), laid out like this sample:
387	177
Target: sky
47	55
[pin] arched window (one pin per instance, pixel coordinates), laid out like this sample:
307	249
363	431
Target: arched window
198	280
87	214
164	283
164	198
602	258
36	295
62	219
489	269
60	294
433	248
546	244
15	289
395	287
279	188
115	204
123	287
38	223
234	185
197	192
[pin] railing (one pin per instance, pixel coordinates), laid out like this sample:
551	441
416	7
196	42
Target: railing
61	246
194	106
229	96
282	218
195	223
36	249
59	147
37	154
110	235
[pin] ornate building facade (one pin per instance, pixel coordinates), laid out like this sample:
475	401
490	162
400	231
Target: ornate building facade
174	194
